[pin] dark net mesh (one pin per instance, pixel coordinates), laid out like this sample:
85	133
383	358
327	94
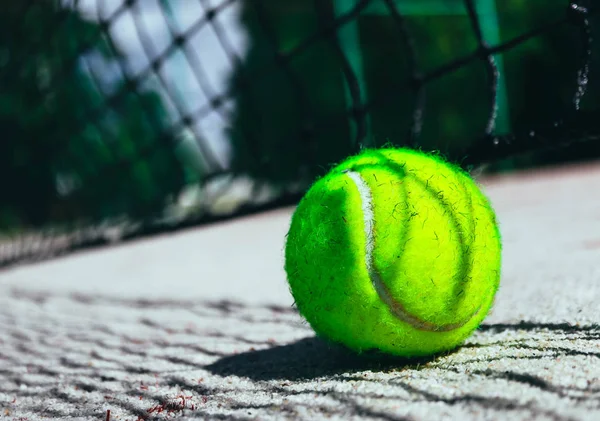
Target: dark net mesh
123	118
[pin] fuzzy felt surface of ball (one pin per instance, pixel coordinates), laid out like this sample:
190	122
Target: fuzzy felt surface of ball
394	250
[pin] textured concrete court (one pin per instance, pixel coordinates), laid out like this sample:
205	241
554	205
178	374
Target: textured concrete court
200	325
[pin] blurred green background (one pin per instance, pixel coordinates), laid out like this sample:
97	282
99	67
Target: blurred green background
61	158
68	153
538	78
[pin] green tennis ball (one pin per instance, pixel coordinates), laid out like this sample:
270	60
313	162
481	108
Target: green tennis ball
394	250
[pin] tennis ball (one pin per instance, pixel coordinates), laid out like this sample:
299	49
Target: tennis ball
394	250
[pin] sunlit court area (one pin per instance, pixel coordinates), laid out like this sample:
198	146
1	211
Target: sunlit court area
299	210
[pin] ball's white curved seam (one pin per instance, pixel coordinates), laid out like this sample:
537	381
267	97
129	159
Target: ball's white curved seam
383	292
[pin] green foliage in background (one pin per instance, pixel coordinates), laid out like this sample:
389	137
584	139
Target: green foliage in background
271	131
57	161
456	105
542	75
539	77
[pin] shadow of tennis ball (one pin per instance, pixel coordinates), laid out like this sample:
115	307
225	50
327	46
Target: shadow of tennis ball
305	359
